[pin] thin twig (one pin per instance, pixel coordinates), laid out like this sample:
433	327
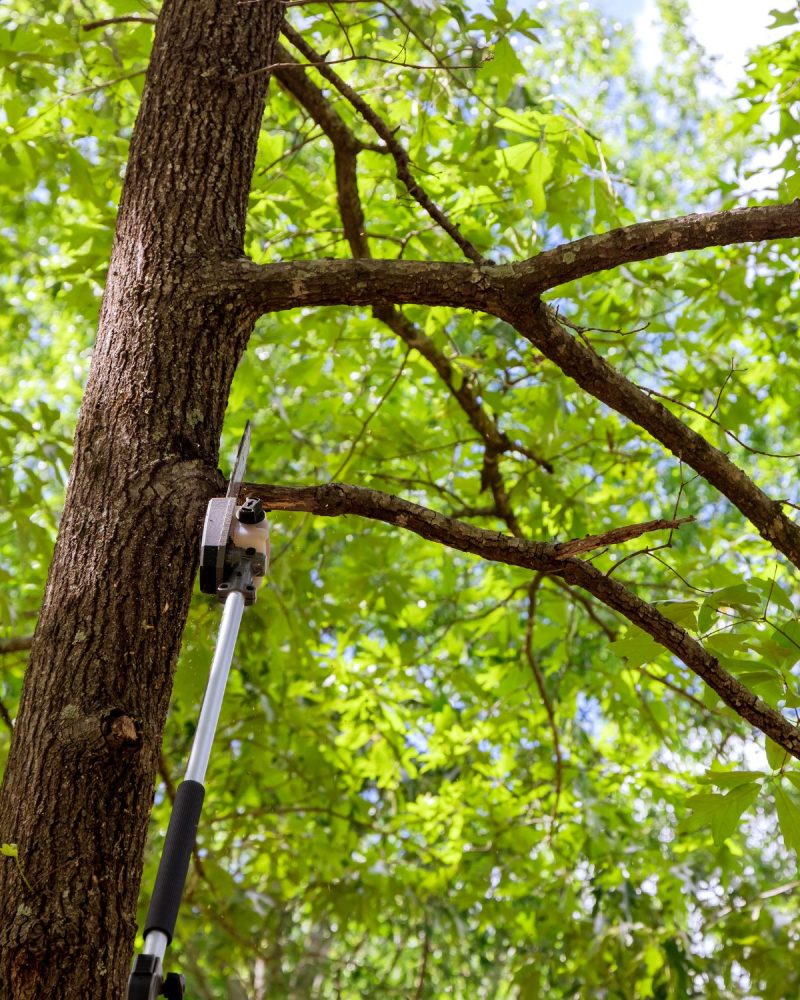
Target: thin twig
548	704
104	22
617	535
372	413
319	63
716	423
91	89
419	992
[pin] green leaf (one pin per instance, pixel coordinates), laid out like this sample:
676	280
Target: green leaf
740	597
721	812
776	755
726	816
637	649
732	779
788	810
506	66
539	171
683	613
783	18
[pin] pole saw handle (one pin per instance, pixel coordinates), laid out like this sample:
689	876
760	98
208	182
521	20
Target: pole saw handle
145	981
174	864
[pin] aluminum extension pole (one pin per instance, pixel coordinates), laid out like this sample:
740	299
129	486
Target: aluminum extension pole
215	689
174	865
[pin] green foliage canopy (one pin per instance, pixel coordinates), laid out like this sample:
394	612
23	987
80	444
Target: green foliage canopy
436	776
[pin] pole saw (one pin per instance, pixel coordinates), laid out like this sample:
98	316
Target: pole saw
234	555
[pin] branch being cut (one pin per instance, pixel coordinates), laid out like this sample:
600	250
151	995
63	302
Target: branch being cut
646	240
336	499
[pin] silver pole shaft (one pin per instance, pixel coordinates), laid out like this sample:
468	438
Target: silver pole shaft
155	944
215	690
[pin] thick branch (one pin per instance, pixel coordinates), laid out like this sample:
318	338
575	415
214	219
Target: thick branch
468	286
498	291
531	277
340	499
336	499
646	240
293	284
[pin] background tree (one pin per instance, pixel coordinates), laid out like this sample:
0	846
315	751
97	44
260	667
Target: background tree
436	773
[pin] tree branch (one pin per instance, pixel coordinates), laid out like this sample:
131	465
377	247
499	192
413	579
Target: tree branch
500	292
646	240
336	499
400	156
361	282
542	328
15	644
531	277
104	22
346	148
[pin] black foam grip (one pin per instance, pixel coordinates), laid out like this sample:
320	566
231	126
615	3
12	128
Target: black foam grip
174	863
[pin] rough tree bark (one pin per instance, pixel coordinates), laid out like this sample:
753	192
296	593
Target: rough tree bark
79	783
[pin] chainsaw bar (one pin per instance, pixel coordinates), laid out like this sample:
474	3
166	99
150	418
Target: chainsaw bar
239	465
217	527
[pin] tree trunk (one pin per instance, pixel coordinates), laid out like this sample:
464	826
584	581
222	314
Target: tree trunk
79	784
